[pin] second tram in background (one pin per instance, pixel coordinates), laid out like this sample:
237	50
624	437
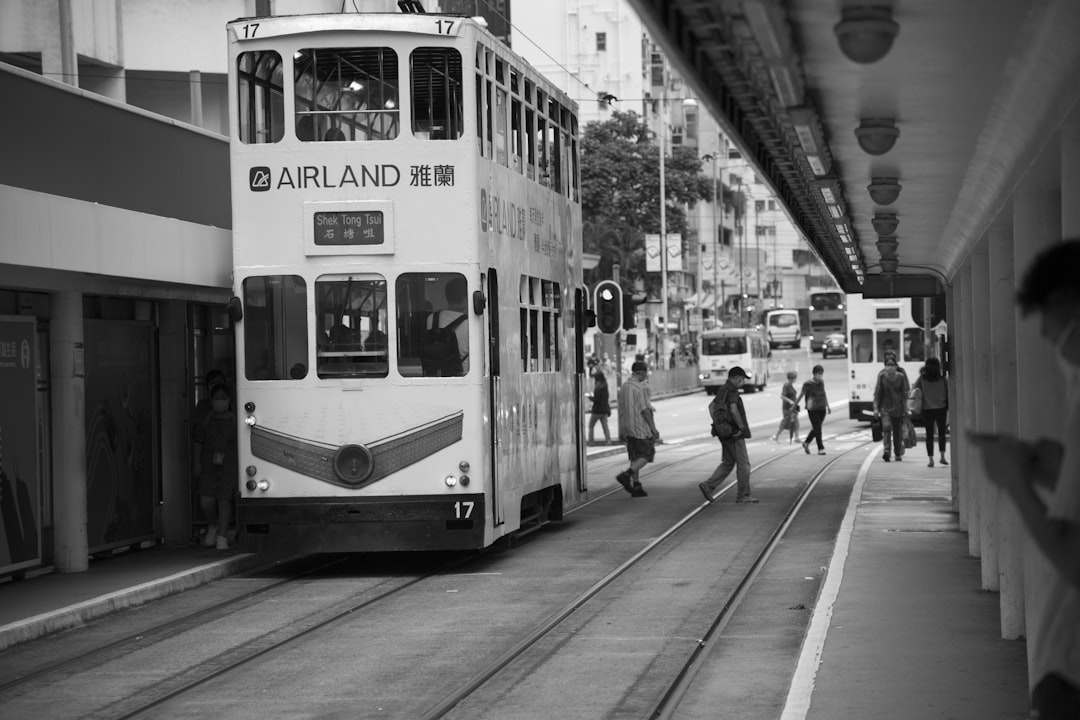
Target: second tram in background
826	316
877	326
407	259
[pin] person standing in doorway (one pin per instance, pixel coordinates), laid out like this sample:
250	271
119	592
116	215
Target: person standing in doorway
216	466
1051	288
935	406
734	454
890	404
637	427
817	407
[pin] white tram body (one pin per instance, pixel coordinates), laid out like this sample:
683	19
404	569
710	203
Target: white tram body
390	172
875	327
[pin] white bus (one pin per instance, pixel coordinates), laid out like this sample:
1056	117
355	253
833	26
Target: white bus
724	348
407	258
782	327
875	327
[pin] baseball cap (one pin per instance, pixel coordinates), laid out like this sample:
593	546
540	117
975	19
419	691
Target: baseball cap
736	372
639	366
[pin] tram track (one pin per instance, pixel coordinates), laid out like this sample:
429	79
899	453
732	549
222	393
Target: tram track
669	700
156	697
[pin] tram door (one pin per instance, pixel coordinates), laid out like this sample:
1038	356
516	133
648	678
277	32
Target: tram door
494	392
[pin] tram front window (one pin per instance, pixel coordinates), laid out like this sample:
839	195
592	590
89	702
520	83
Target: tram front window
275	327
346	94
432	325
352	336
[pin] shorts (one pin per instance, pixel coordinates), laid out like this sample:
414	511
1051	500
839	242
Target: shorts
218	484
641	448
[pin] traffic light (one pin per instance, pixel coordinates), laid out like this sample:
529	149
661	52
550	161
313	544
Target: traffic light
609	306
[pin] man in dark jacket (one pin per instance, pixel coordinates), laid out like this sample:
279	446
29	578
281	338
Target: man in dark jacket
734	447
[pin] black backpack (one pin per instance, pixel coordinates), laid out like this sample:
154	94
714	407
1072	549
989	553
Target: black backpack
723	425
440	354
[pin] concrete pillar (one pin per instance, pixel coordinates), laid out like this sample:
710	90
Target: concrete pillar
195	89
1037	213
965	377
982	406
1070	174
1011	536
71	548
955	394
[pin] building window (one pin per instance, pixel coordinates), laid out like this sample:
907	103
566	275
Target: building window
601	42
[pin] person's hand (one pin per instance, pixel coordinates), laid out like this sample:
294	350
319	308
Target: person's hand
877	413
828	410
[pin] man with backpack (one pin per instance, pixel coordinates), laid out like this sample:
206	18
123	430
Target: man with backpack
444	351
729	426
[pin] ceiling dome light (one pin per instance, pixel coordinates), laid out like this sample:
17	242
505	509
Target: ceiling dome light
877	136
866	33
884	190
887	246
885	223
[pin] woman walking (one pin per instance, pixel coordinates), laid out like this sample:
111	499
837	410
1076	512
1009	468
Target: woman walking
817	407
601	406
788	409
935	406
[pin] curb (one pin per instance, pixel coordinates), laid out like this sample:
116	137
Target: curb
65	618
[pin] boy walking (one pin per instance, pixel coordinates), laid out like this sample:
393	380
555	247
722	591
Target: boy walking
636	427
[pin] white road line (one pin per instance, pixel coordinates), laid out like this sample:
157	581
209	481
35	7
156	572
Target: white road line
801	691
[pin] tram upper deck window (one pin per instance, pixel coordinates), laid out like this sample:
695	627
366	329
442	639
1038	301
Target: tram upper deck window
437	95
275	327
260	98
351	339
346	94
427	301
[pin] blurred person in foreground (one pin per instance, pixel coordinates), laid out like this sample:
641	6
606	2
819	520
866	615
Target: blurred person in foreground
1051	288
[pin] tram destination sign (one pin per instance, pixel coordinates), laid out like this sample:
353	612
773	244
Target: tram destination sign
363	227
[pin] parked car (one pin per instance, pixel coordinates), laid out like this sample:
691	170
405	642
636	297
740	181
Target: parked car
835	344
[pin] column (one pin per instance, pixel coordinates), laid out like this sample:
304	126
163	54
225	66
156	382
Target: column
965	378
174	410
1010	536
982	406
955	394
71	551
1037	212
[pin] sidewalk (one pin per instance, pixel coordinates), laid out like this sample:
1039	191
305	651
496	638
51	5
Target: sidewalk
902	629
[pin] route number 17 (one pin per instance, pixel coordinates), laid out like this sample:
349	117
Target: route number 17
444	26
463	510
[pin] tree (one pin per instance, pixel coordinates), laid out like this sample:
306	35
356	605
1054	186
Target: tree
620	191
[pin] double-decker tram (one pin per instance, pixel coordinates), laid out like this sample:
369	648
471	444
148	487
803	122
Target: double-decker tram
826	316
407	265
878	326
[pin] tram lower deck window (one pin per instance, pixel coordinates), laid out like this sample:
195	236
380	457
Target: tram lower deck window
351	339
275	327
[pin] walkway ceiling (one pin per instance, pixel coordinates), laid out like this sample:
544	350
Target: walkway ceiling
969	90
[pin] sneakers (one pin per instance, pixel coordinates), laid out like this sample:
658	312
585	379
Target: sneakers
821	451
624	480
746	499
210	536
222	542
899	458
806	448
638	491
931	463
705	491
943	461
887	457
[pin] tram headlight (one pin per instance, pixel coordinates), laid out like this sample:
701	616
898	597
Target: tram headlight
264	484
450	481
251	485
251	421
464	480
463	466
251	470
